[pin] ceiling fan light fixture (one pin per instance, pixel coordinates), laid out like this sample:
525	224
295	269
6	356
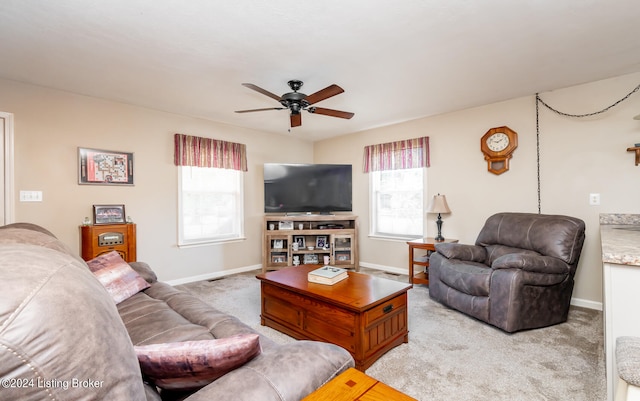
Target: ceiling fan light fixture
296	101
295	107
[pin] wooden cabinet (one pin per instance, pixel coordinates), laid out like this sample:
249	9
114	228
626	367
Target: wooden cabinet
288	239
99	239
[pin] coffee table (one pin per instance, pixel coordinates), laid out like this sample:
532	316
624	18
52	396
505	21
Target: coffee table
364	314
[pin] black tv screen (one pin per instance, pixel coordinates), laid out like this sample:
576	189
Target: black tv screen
307	188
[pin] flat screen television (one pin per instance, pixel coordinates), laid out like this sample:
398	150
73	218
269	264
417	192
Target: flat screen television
307	188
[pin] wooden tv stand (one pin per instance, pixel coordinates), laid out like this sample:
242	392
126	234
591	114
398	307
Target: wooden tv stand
338	232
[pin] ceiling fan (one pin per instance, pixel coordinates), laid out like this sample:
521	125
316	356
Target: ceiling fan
296	101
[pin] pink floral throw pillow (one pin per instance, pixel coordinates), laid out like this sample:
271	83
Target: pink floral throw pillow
194	364
120	280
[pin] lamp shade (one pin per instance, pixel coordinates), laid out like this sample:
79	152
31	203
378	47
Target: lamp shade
438	204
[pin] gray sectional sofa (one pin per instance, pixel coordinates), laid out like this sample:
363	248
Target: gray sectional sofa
62	336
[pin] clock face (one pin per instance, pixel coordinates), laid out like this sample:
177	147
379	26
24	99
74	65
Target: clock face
498	141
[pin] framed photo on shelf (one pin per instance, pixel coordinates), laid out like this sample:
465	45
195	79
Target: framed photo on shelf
109	214
104	167
299	239
310	259
285	225
278	244
321	241
278	259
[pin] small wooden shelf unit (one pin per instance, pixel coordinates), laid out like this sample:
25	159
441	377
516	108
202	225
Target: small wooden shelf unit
339	232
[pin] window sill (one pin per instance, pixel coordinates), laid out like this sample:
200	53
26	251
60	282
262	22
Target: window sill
393	239
210	242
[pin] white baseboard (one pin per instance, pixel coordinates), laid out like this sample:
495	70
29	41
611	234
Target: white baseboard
584	303
389	269
214	275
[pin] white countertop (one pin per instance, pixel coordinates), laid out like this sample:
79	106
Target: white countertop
620	246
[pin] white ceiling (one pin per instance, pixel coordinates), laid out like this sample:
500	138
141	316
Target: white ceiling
397	60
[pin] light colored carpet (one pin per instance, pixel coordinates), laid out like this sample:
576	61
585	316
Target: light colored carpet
451	356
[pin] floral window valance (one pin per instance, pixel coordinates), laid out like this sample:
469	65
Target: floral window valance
409	153
207	152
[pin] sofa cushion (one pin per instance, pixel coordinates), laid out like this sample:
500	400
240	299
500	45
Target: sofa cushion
162	314
470	278
454	250
145	271
151	321
552	235
193	364
531	263
59	324
497	251
120	280
285	373
25	233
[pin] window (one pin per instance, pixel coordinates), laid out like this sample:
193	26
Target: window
397	206
210	205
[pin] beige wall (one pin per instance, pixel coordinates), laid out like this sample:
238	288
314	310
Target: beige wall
578	157
50	125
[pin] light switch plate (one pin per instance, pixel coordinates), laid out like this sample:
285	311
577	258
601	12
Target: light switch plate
30	196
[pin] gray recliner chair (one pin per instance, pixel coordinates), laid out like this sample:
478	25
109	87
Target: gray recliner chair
517	276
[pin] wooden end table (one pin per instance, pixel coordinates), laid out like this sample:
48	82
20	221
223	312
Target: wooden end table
353	385
429	245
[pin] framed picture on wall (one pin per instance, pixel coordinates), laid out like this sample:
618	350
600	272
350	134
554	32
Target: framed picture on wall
108	214
104	167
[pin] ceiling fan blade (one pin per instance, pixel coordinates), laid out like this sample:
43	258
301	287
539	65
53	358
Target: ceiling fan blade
325	93
331	112
263	91
252	110
296	120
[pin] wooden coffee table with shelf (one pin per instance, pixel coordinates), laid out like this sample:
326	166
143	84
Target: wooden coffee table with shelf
364	314
426	244
352	385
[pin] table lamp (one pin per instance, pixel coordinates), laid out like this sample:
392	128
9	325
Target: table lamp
439	205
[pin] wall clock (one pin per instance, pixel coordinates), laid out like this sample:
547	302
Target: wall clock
498	145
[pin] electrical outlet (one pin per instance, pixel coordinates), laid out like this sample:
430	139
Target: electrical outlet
594	199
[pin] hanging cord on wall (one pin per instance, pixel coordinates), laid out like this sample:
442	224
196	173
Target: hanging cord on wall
538	101
538	147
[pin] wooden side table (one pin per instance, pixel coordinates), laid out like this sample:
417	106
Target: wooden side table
353	385
429	245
